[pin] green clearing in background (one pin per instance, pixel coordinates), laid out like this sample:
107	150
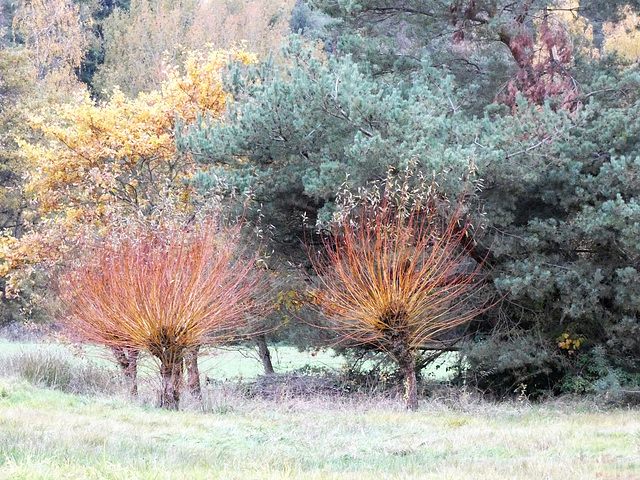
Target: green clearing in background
218	364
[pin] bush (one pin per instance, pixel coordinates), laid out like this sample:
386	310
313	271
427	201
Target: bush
510	366
300	383
593	372
371	372
369	375
60	371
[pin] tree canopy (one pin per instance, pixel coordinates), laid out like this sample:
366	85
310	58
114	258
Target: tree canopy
525	105
526	111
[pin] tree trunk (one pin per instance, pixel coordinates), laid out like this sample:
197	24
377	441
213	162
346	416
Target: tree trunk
131	373
265	355
171	374
193	373
127	358
407	364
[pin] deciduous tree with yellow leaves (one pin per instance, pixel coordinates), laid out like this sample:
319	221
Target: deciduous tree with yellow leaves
138	41
57	34
95	156
98	162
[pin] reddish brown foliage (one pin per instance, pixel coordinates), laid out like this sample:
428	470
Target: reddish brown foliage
541	49
162	290
397	278
543	69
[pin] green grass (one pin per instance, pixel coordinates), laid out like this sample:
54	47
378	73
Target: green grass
244	363
46	434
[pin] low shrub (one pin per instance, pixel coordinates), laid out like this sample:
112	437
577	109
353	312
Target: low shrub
595	373
378	380
508	367
299	383
513	367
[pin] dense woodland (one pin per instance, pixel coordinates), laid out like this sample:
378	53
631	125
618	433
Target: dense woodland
410	176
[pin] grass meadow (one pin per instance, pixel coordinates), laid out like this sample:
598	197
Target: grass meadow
80	429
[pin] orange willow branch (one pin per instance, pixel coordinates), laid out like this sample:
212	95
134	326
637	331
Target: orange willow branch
396	277
166	291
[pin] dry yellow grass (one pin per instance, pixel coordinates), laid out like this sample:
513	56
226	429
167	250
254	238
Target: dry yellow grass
50	435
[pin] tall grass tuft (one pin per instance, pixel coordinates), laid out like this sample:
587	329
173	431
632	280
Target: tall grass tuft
61	371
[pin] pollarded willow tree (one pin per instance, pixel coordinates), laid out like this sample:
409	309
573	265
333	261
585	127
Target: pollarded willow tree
165	290
396	276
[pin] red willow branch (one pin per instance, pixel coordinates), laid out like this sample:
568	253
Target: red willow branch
164	290
397	277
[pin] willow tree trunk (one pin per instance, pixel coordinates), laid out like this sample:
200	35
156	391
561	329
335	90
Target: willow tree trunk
193	373
171	375
264	354
407	364
127	358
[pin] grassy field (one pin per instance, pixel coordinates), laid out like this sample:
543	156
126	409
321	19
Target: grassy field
48	434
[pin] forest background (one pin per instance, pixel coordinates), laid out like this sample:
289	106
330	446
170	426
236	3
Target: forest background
525	111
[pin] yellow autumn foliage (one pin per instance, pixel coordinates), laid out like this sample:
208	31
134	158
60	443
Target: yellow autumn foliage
623	37
95	157
57	33
139	39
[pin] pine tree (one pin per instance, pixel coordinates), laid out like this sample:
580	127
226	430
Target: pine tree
552	169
